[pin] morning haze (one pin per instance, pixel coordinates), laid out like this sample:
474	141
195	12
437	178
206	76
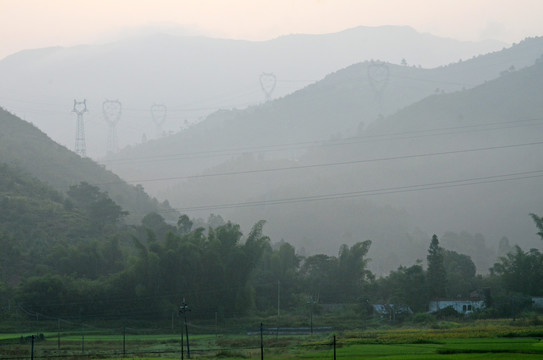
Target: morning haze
263	162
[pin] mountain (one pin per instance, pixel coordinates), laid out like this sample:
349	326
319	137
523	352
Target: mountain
40	227
501	122
467	161
464	165
341	105
26	148
194	76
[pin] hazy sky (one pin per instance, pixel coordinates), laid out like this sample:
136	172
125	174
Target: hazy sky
40	23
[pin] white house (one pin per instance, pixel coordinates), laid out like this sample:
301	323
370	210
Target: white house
391	310
461	306
537	302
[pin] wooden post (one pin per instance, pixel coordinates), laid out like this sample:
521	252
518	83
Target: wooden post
334	347
261	342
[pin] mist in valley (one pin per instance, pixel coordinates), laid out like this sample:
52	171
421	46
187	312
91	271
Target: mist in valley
298	145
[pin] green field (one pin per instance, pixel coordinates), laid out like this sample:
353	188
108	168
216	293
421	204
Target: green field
475	340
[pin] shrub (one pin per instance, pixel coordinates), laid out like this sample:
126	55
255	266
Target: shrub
423	318
448	312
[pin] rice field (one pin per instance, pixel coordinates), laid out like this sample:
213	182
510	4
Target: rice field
476	340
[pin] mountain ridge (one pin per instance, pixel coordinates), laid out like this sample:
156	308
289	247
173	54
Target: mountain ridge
347	95
192	76
455	162
24	146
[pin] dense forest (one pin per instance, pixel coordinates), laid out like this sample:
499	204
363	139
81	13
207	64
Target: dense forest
73	256
325	195
441	129
23	146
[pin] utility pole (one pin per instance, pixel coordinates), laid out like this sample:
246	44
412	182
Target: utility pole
278	306
124	341
182	343
80	107
334	346
311	303
278	298
183	309
112	110
261	342
82	338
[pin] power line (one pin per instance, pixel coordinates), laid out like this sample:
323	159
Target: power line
325	143
339	163
373	192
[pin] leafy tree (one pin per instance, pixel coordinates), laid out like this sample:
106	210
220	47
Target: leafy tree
338	279
43	294
278	264
254	247
405	286
10	258
352	269
521	272
539	223
214	221
460	271
5	297
104	212
504	247
472	244
319	276
157	225
101	210
184	225
436	275
84	194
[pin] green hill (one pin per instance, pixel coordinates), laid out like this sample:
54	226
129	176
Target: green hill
25	147
36	221
465	162
341	105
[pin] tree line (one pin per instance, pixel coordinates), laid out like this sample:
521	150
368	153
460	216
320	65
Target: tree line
93	266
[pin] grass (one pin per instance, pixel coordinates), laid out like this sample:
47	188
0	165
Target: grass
490	339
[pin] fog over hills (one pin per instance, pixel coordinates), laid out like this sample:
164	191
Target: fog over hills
340	105
459	161
27	149
466	162
374	150
194	76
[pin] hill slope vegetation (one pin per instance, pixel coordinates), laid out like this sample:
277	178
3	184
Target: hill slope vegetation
25	147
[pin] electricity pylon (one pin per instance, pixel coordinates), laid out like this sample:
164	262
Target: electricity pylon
158	112
112	110
80	107
378	76
267	83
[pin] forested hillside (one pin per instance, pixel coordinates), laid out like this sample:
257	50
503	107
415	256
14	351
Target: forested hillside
195	75
72	257
331	195
40	226
415	171
341	105
25	147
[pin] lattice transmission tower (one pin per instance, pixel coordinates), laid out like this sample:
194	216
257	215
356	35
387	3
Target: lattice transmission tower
267	84
112	110
159	112
80	107
378	76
